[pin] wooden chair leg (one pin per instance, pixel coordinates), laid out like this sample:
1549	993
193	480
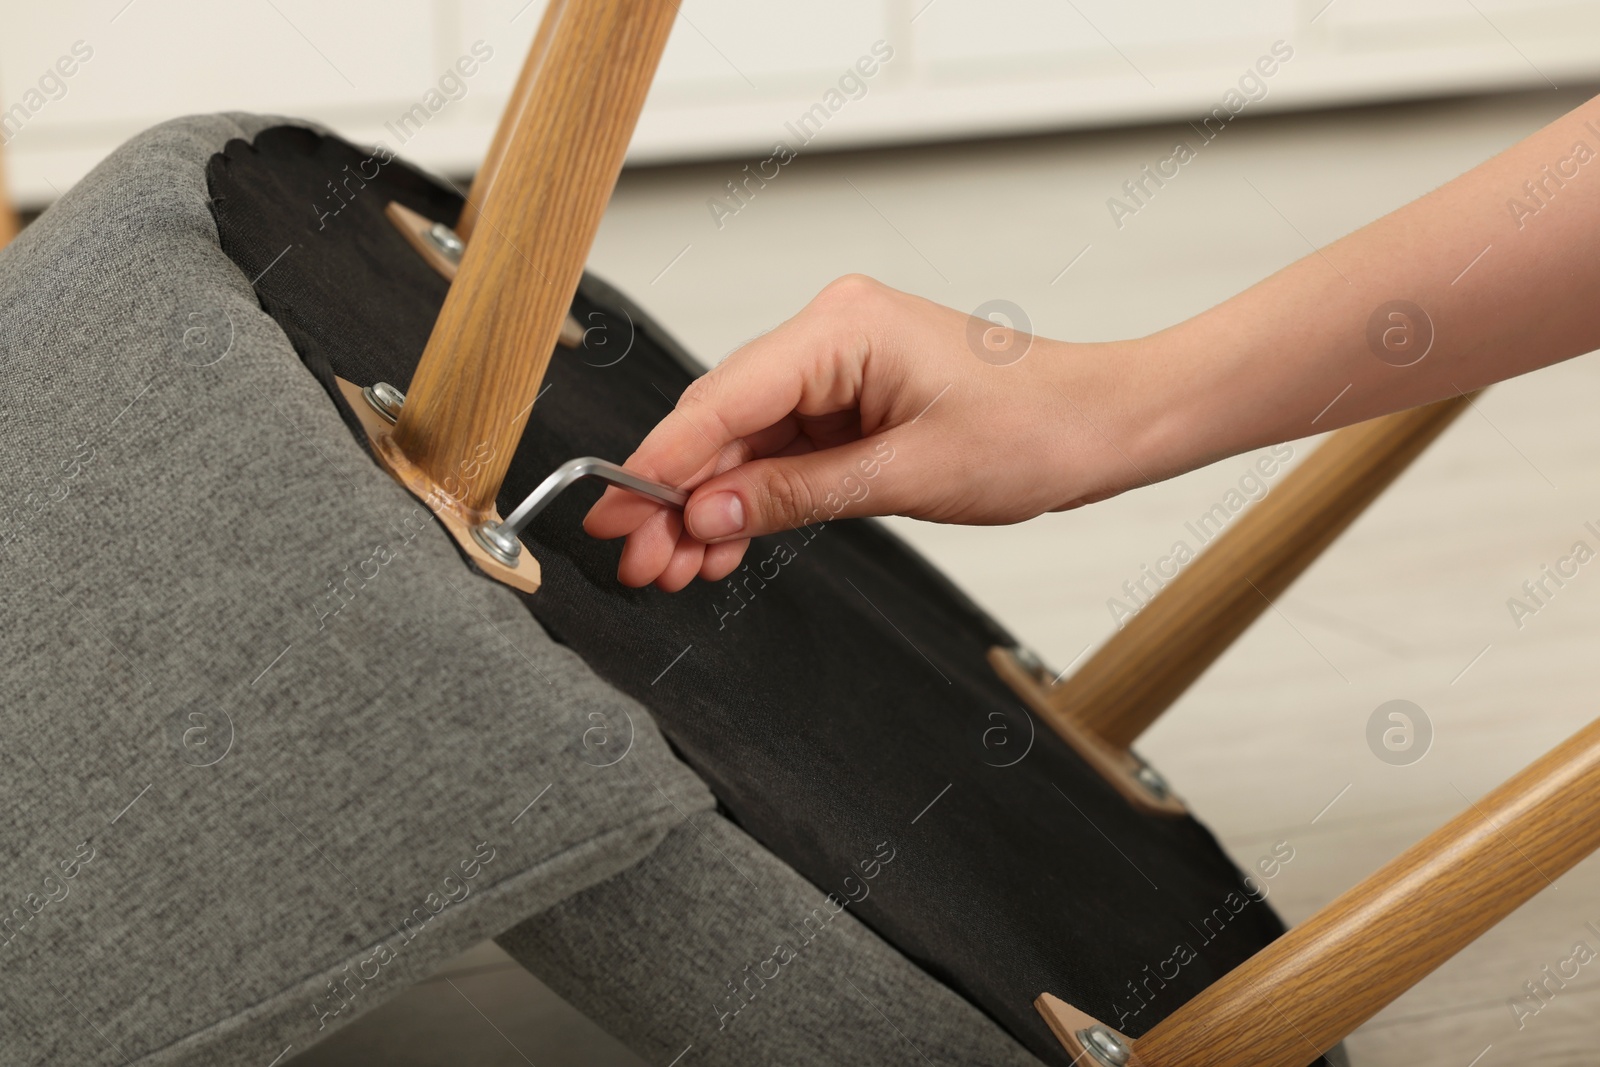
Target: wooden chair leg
419	231
1313	986
558	156
1147	665
494	160
10	225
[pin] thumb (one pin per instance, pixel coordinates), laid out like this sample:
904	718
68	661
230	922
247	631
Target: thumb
784	492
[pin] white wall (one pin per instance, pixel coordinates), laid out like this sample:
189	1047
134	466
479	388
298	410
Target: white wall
737	70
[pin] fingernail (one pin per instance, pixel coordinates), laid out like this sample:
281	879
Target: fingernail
719	515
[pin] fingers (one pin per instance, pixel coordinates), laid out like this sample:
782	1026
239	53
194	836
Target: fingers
650	548
620	512
685	563
810	366
763	496
781	493
753	429
662	553
723	559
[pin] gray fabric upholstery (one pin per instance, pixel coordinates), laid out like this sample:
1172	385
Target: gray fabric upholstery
714	944
177	499
279	787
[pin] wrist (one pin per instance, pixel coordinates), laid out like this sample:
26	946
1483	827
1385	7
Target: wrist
1120	417
1179	416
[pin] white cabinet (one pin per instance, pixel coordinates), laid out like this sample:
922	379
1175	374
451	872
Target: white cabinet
737	72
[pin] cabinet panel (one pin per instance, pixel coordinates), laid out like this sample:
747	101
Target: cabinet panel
151	60
773	45
736	70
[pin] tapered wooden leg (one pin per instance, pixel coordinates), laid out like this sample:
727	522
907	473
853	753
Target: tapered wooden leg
415	228
1146	666
10	225
1313	986
494	160
1123	770
475	384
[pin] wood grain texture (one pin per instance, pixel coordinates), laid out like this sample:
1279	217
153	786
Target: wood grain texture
1317	983
10	225
1118	766
494	159
475	385
525	575
1067	1022
1145	666
414	228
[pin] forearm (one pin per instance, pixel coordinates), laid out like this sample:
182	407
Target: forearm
803	420
1501	291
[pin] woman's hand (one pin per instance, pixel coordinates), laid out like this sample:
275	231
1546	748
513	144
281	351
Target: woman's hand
875	402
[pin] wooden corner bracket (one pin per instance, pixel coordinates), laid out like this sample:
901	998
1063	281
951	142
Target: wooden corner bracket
515	264
1075	1030
524	576
1122	769
1303	993
417	228
1104	706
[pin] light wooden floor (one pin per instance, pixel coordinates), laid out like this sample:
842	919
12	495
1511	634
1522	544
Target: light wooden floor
1410	603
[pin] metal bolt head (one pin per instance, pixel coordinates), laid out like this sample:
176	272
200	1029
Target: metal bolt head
385	399
1029	661
502	546
446	240
1151	779
1105	1046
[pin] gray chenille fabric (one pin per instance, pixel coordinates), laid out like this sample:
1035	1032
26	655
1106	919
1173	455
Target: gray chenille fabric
713	950
271	750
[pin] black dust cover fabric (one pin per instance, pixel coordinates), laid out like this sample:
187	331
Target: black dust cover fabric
834	693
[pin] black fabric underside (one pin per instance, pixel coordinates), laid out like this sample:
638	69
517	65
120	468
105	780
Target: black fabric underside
849	690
